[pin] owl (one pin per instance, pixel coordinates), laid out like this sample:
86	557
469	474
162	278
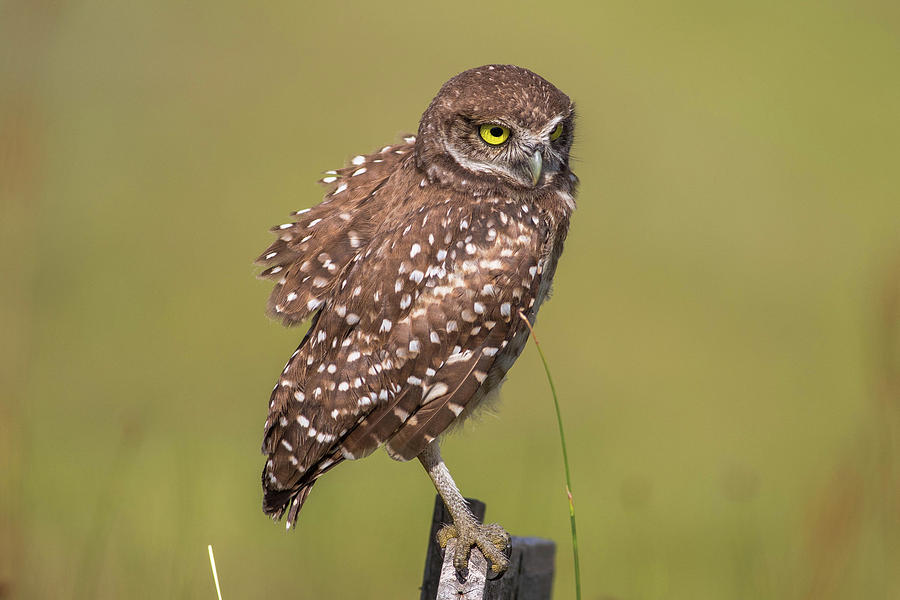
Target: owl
417	271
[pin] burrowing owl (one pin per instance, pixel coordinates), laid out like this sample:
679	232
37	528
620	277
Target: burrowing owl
415	269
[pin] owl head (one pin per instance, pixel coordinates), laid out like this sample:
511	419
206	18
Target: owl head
496	126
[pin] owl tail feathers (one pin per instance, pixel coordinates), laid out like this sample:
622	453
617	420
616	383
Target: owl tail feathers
276	502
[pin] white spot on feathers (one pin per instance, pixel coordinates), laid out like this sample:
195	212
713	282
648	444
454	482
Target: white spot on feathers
459	356
435	391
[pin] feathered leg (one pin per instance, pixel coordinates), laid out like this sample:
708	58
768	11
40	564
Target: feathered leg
491	539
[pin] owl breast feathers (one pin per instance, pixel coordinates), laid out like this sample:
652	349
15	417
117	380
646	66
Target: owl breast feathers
415	269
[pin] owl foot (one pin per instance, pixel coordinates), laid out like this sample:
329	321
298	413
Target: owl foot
490	538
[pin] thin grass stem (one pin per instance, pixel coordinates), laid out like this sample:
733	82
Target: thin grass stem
212	563
565	454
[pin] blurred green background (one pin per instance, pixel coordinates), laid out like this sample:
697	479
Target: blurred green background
723	334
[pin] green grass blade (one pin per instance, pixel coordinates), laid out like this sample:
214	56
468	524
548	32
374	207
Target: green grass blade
565	454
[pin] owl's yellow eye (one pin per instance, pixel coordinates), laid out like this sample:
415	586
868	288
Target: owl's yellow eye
554	135
493	134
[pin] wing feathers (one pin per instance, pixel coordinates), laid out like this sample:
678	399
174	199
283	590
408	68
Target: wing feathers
313	249
434	417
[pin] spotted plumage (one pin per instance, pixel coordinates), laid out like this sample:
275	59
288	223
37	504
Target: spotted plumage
415	269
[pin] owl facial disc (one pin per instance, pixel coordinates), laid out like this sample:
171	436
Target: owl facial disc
496	129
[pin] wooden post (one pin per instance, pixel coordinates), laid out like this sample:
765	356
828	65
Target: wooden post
529	577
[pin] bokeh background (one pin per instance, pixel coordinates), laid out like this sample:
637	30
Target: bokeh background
724	332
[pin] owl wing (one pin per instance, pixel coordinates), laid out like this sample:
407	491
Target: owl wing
396	355
319	242
472	320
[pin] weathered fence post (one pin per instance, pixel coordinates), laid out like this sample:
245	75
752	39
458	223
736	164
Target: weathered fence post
529	577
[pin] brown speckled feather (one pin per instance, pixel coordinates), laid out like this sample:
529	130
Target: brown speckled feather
318	243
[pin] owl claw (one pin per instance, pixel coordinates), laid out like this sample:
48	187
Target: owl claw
490	538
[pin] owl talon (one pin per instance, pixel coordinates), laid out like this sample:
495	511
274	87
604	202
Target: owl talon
446	533
491	540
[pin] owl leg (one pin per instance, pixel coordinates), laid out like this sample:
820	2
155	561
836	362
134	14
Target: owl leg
491	539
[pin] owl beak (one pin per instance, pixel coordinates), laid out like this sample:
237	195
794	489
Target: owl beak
535	165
